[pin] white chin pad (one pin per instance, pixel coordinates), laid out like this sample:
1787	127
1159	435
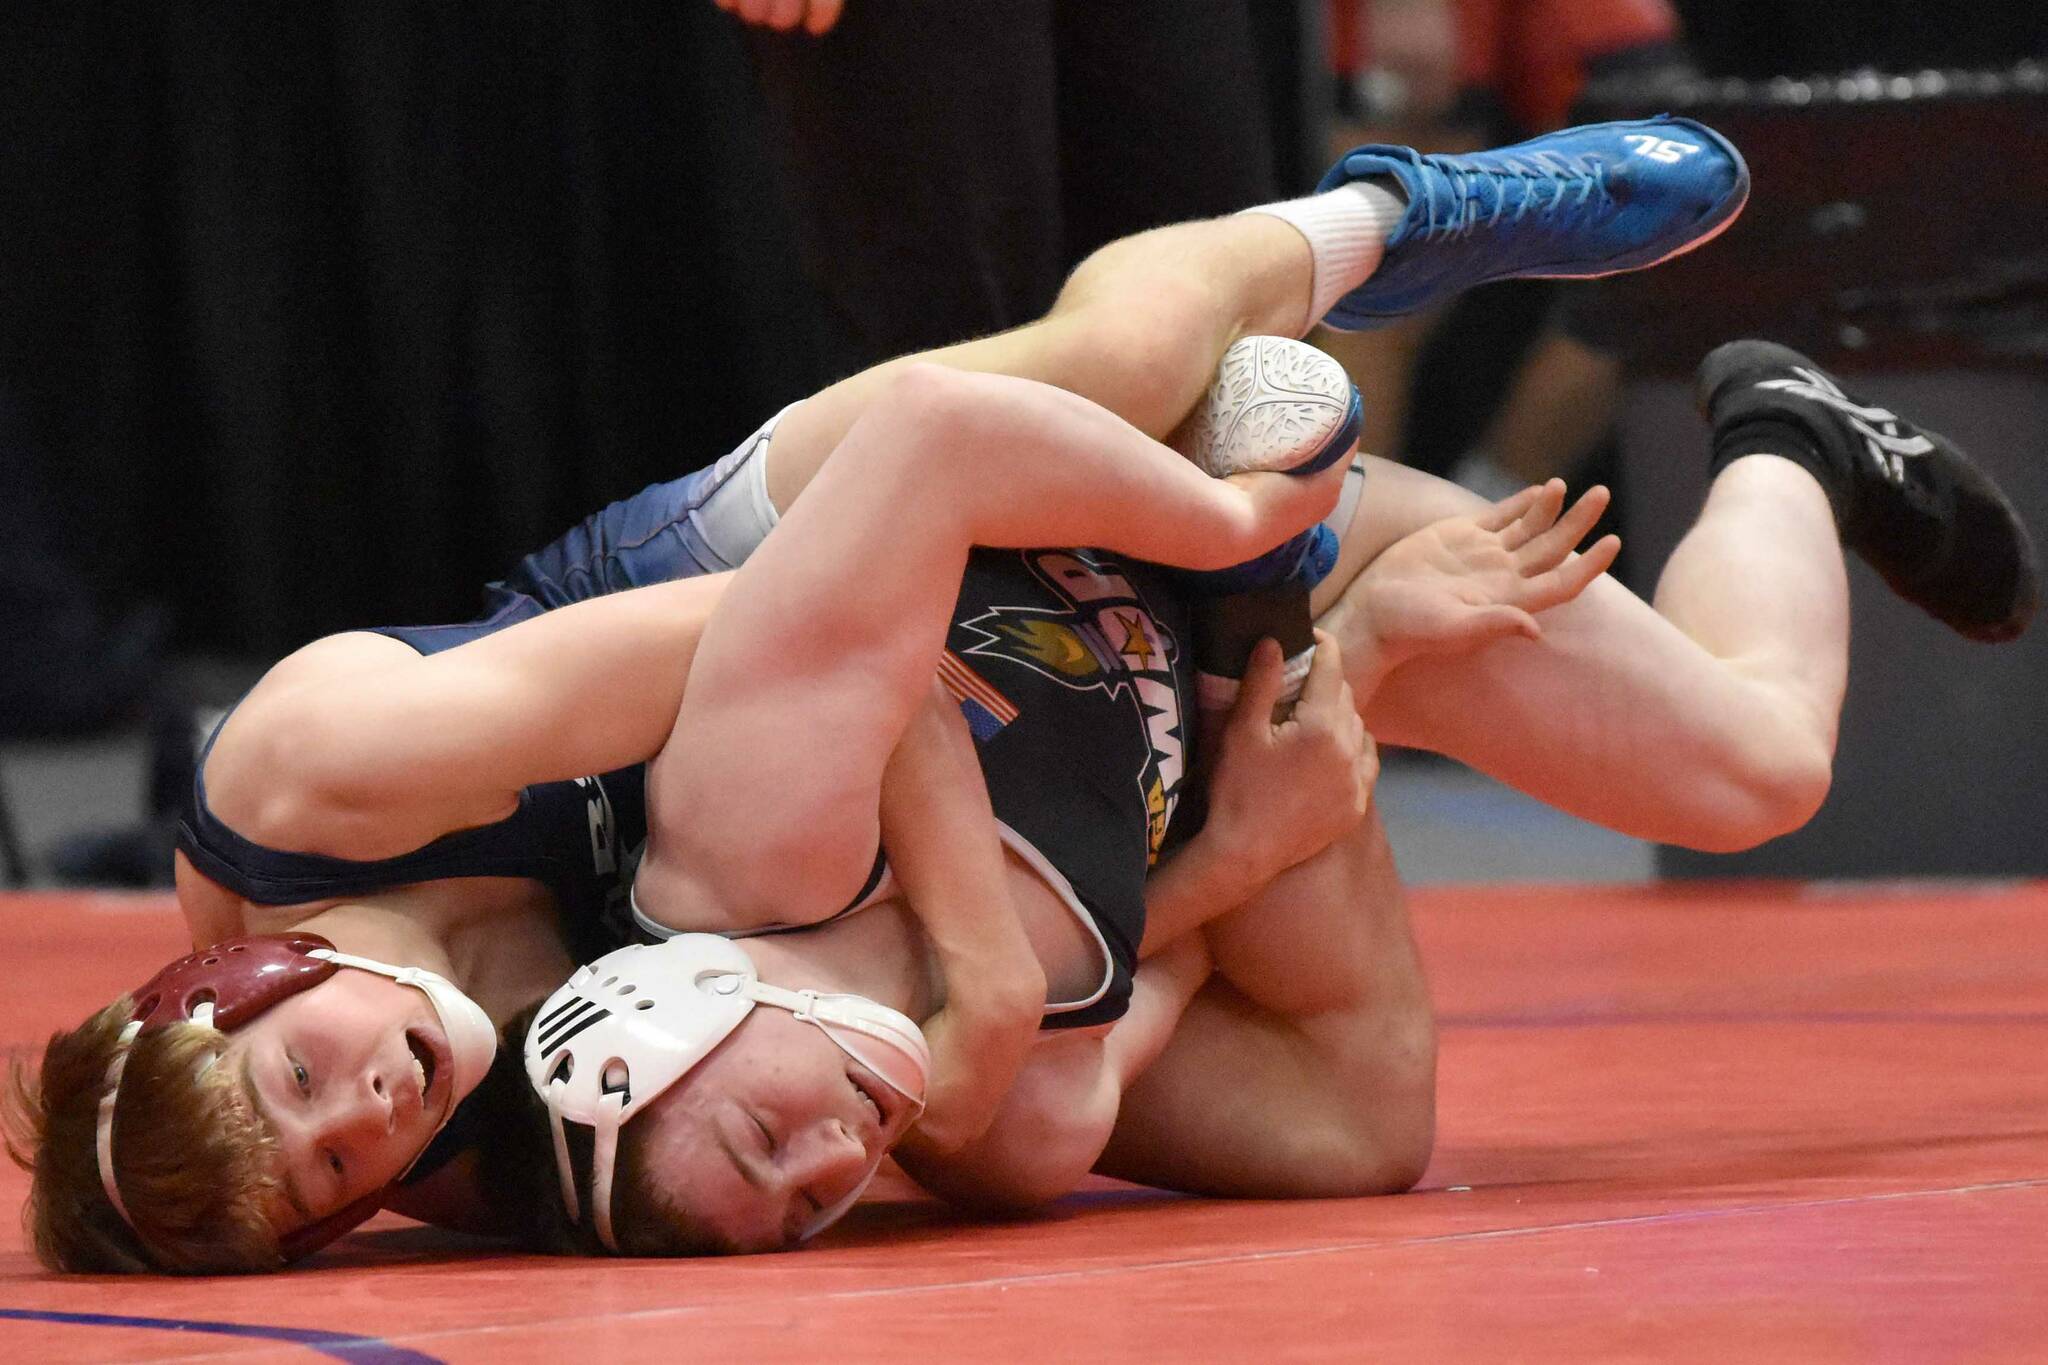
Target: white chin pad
891	1058
472	1040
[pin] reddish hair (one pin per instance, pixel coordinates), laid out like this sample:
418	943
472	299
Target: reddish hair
197	1166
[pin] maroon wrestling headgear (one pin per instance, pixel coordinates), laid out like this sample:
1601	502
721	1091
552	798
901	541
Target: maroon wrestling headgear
224	987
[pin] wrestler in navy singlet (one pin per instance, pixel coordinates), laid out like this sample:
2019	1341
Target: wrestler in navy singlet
572	837
1070	666
577	838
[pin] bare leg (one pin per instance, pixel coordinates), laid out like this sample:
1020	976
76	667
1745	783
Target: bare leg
1708	722
1139	328
1306	1066
1711	725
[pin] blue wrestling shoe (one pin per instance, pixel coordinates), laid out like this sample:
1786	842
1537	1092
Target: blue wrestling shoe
1575	204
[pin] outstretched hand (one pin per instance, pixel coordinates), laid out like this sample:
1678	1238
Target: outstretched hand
815	17
1458	583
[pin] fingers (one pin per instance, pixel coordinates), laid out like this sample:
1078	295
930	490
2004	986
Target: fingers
1368	769
823	14
1498	516
1259	691
1325	670
1547	550
1536	517
781	15
1572	577
1294	502
1327	701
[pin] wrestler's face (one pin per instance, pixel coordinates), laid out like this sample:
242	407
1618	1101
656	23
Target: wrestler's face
353	1077
776	1124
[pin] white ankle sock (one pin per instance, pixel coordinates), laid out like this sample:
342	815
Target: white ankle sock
1347	229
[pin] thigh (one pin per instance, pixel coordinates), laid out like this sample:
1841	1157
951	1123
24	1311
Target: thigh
1614	715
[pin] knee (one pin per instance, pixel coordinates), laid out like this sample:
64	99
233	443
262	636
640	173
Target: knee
1386	1126
928	401
1767	790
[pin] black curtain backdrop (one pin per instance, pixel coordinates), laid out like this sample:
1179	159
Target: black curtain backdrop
1757	38
322	313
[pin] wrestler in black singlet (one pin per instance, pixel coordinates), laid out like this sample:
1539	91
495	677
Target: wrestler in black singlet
1078	687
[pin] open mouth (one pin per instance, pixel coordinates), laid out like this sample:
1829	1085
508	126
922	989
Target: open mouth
428	1063
876	1098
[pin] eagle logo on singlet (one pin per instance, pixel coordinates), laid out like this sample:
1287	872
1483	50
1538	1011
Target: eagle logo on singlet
1104	639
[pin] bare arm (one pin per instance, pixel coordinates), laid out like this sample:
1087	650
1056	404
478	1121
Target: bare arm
940	835
336	754
764	801
1280	792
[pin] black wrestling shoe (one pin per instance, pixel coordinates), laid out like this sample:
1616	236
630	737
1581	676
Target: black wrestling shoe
1917	509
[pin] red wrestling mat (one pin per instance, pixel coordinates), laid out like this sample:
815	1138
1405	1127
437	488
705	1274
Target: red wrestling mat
1688	1124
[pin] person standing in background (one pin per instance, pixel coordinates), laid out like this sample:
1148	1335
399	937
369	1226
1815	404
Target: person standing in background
949	162
1459	74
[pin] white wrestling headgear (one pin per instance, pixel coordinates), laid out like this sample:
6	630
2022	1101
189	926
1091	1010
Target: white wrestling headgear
631	1024
235	981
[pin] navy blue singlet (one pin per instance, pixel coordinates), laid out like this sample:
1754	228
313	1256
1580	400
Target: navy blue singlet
1071	667
573	837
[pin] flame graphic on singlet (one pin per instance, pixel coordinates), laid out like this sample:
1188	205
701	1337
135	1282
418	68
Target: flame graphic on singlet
1054	645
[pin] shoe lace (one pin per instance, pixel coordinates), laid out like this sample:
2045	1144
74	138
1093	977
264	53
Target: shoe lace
1541	184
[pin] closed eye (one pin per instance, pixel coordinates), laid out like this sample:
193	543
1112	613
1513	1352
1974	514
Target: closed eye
767	1138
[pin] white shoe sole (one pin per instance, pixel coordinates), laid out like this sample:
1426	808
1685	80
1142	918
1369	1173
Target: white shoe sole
1275	405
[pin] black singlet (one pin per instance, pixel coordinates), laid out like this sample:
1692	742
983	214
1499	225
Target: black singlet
1072	668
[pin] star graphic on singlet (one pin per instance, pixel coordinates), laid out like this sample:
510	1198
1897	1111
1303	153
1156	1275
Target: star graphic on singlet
1137	643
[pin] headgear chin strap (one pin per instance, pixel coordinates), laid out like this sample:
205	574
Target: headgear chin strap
631	1024
236	980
